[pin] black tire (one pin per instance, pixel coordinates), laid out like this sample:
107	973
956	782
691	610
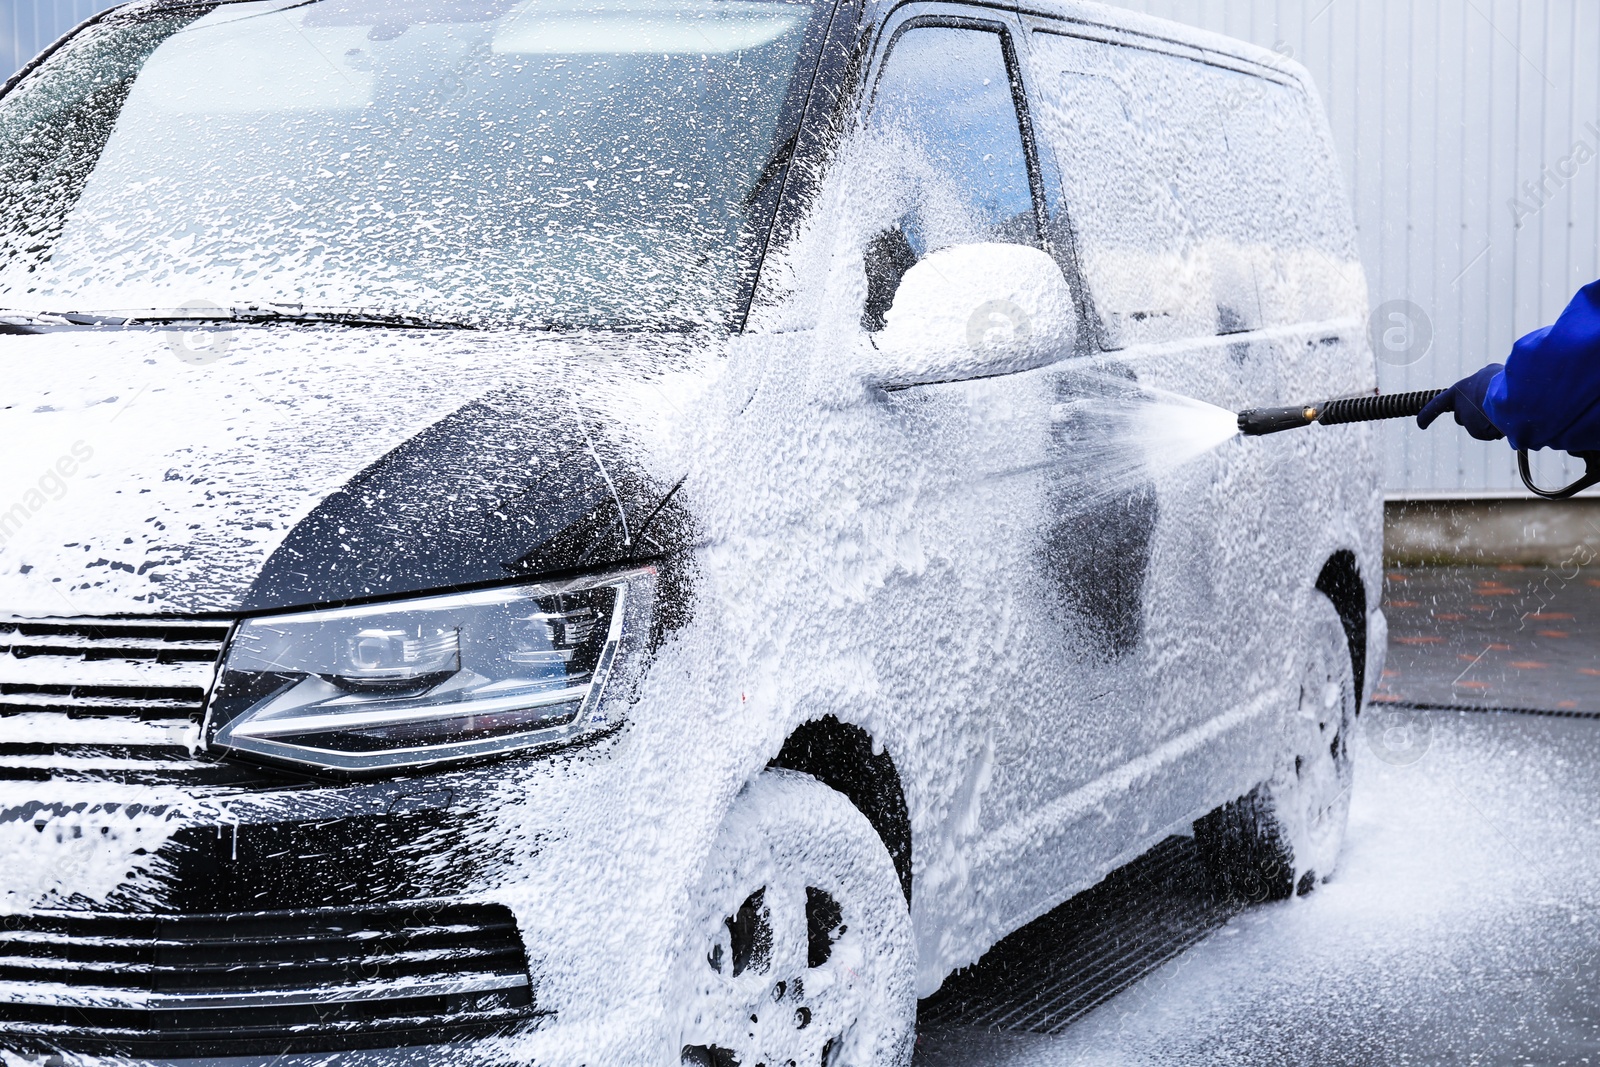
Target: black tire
1284	836
1245	852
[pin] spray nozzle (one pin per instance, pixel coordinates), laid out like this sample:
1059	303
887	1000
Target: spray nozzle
1258	422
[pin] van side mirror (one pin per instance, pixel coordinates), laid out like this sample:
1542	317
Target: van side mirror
974	311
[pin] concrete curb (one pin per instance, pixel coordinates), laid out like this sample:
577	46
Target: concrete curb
1549	532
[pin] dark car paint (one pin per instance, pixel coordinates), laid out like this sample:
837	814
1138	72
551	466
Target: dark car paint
335	860
1098	547
502	488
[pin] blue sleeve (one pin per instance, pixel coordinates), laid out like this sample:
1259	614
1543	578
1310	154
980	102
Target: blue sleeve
1549	394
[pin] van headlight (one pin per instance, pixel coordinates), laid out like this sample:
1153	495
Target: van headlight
417	682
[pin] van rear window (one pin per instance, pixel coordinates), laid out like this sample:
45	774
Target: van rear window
1203	200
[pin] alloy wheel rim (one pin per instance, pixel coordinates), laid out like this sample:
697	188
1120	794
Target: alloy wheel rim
779	983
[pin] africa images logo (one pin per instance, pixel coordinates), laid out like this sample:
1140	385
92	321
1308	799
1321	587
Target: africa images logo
196	345
998	324
52	485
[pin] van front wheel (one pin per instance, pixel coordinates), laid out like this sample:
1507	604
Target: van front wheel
800	949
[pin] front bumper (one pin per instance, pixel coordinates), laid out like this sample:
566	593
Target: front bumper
273	921
521	912
524	910
625	1040
319	980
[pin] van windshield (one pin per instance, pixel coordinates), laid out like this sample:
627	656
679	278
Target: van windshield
543	162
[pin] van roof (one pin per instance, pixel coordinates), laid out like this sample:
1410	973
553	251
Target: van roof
1115	24
1122	23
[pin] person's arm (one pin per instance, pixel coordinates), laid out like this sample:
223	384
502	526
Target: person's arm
1547	395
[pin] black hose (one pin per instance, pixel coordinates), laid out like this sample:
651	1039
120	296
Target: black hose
1373	408
1259	421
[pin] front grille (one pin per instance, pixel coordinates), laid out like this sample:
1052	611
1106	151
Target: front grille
272	982
107	699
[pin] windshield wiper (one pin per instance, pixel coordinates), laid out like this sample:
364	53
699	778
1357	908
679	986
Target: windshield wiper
258	315
251	315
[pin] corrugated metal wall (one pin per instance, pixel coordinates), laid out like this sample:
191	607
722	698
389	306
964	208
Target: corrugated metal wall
27	27
1449	114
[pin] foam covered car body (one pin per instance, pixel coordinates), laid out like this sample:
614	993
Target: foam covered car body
633	555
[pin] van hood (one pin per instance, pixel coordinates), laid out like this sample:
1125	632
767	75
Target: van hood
308	465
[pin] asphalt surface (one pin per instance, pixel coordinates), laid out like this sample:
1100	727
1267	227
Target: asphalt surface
1463	925
1482	637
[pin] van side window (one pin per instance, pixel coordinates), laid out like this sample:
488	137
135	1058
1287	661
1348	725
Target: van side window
1202	200
948	141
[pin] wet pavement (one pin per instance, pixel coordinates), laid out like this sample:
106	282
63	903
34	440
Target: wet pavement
1487	637
1463	925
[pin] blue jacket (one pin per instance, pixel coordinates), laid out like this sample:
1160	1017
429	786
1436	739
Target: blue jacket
1549	394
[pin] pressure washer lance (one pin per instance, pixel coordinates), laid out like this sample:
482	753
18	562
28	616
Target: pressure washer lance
1258	422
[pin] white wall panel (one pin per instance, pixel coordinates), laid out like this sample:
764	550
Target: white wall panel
27	27
1442	110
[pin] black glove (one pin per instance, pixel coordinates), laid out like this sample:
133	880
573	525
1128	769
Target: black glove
1465	398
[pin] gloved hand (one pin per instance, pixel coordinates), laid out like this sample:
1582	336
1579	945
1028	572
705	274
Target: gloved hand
1465	398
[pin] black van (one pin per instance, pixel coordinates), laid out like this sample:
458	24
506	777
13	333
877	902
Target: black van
570	533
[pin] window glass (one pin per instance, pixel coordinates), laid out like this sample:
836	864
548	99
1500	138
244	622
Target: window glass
1202	199
947	155
497	161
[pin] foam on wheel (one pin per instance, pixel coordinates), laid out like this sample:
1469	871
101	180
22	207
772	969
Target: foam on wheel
800	951
1285	836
